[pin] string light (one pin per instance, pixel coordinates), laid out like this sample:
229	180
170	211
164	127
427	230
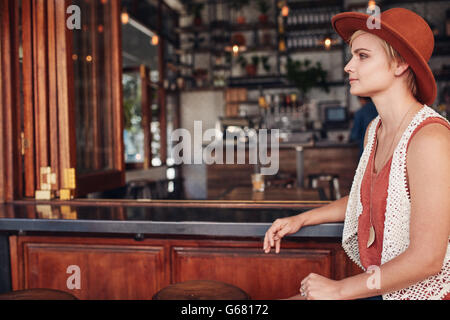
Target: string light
371	5
285	11
155	40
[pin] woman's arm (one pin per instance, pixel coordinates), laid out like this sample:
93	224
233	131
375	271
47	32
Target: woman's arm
333	212
429	180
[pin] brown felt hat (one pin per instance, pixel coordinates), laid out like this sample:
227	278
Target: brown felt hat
406	32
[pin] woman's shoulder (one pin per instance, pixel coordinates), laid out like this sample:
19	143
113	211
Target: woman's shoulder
431	130
430	139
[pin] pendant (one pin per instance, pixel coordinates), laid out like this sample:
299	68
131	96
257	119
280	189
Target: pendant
371	236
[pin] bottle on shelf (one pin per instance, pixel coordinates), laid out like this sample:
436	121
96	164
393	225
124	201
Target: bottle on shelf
315	16
323	17
294	19
294	106
268	112
282	45
277	108
280	24
288	108
299	16
290	43
306	17
289	20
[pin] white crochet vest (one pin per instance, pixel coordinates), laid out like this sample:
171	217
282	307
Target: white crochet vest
398	209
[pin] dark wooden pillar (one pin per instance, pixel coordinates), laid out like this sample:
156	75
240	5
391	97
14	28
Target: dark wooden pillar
162	90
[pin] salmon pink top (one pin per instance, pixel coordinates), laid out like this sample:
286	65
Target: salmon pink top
372	255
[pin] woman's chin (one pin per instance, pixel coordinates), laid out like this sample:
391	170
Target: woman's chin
356	92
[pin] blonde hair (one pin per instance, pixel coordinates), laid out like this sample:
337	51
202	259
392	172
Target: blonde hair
393	55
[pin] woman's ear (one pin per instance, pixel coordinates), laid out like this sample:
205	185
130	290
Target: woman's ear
400	68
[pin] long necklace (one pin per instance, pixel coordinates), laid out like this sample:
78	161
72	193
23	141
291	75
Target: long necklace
371	239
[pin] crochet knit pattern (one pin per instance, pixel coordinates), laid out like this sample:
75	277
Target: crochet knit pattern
397	216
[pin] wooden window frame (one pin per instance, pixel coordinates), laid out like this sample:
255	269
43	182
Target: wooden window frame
115	177
10	115
49	99
48	137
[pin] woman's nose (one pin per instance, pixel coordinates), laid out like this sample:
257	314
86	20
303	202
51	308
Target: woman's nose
348	67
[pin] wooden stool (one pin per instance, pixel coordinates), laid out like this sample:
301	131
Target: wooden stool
37	294
201	290
333	182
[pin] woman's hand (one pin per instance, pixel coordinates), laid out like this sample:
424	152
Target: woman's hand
279	229
316	287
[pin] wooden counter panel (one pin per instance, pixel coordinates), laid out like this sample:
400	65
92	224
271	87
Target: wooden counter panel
261	275
108	269
123	268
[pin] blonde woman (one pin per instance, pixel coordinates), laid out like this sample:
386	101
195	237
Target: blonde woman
397	215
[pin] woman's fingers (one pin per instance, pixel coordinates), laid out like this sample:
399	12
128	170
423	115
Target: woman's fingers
270	237
268	240
281	233
277	246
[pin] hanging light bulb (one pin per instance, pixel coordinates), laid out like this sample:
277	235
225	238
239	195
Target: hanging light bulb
155	40
285	11
327	43
125	17
235	50
371	5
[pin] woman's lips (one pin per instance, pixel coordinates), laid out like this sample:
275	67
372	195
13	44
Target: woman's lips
351	80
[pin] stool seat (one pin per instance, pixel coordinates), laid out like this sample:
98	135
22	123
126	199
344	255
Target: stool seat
37	294
201	290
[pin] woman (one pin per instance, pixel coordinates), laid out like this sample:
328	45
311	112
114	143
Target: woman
397	216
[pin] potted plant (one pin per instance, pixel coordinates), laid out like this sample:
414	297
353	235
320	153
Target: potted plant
264	7
196	41
265	64
238	5
306	76
238	39
250	68
195	10
242	62
253	67
200	76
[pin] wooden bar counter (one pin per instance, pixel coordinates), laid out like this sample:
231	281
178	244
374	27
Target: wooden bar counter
131	250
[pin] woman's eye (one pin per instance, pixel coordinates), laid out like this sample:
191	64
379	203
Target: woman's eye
362	56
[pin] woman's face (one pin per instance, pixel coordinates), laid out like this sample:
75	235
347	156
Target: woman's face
369	66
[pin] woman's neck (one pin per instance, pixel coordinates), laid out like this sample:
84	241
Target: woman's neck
395	108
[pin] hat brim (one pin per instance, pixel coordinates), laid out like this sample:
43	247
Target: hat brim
345	24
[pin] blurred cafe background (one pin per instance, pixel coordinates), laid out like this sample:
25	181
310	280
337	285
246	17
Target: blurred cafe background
100	104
